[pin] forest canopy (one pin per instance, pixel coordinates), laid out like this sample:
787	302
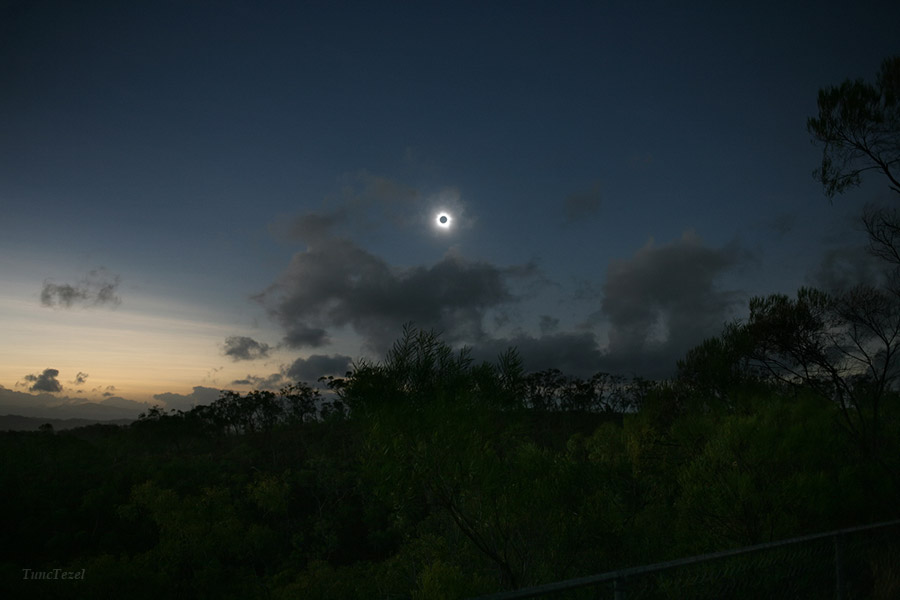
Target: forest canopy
426	475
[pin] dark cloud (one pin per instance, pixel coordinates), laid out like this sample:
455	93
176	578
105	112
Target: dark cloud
80	378
575	354
271	382
97	289
335	283
245	348
502	318
299	335
44	382
318	365
844	267
664	300
200	395
61	295
548	324
582	204
652	307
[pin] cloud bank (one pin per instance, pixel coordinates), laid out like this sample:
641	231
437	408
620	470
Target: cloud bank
651	308
335	283
664	300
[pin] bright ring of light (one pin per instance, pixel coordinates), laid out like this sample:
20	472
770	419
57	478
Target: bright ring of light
443	220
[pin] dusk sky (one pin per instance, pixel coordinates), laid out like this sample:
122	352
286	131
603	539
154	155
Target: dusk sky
197	196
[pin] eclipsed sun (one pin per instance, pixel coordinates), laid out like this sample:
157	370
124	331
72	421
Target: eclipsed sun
443	220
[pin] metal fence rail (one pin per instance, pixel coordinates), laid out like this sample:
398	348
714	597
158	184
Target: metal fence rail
846	564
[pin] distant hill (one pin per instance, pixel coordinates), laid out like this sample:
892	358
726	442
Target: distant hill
20	423
52	407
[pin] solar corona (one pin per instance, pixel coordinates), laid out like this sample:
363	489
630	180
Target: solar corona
443	220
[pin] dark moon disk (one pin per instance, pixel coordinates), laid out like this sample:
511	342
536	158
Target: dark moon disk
443	218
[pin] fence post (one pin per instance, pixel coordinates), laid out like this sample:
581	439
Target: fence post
619	588
839	567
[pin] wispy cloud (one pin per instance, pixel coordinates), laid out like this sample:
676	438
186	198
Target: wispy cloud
98	288
368	205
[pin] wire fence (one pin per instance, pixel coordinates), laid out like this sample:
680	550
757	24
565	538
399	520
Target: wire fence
846	564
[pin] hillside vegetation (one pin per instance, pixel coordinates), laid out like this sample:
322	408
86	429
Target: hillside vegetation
429	476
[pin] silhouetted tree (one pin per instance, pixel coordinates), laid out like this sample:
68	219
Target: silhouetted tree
859	127
883	226
843	346
421	370
717	372
544	389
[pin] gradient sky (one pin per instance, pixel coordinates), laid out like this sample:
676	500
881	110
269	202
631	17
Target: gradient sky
198	196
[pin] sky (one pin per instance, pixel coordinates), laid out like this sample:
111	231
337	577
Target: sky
197	196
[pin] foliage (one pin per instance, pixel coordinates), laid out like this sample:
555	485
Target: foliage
551	390
429	476
720	371
842	346
859	127
752	478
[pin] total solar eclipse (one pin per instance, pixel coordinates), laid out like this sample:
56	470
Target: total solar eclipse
443	220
